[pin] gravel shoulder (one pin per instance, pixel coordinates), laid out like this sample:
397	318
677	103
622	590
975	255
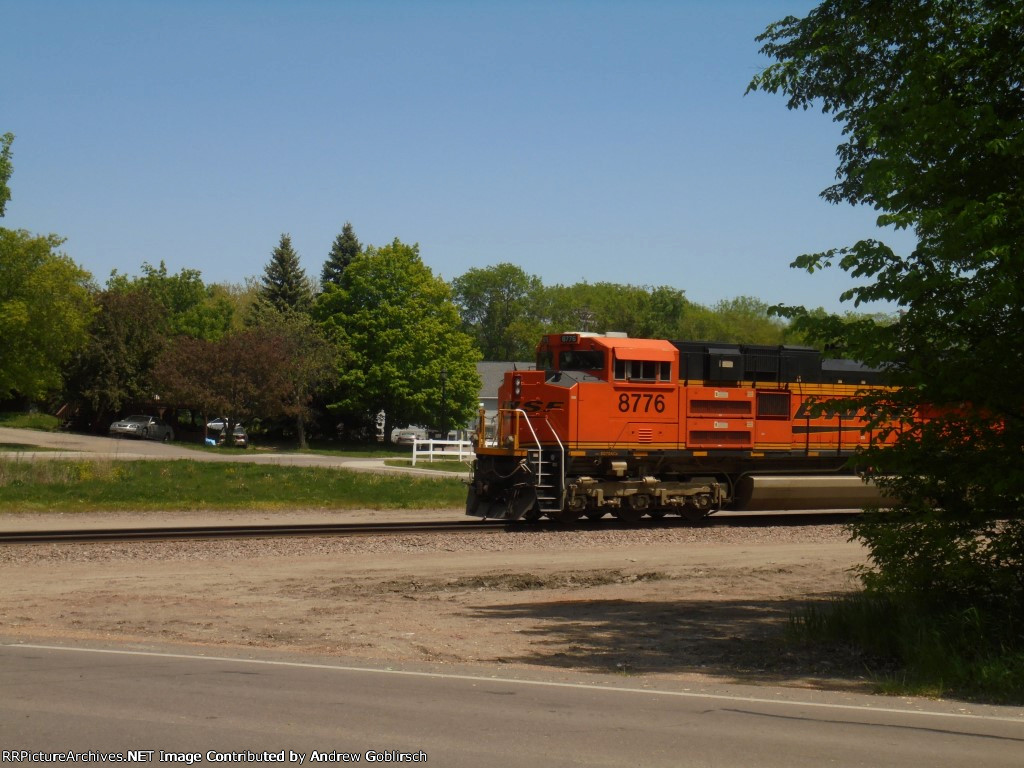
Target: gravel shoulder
699	602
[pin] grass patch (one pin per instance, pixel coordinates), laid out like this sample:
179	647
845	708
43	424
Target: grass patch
21	420
909	649
86	486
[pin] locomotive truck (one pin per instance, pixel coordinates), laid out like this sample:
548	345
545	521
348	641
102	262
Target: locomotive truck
607	424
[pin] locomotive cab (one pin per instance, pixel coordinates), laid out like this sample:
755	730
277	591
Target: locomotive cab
578	353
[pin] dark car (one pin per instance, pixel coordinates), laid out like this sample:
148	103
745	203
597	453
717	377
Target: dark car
142	427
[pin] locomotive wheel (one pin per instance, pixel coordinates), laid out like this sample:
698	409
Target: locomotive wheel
693	515
595	514
634	508
657	514
566	515
628	514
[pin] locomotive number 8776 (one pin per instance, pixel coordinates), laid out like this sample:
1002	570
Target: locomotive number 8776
607	424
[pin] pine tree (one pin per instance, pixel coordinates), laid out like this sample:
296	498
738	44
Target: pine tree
284	285
345	248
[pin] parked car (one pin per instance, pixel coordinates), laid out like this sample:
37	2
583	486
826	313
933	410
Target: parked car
405	437
239	437
142	427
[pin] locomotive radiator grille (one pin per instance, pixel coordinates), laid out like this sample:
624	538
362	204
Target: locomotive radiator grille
712	438
719	408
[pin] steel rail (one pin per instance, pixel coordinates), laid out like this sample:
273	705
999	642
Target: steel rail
178	533
242	531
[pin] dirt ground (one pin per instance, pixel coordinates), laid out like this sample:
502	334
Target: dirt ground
712	601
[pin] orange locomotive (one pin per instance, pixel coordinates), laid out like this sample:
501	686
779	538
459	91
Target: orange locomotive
609	424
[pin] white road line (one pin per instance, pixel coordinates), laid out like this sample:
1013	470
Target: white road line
512	681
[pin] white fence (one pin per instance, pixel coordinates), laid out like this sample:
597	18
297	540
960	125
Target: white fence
442	450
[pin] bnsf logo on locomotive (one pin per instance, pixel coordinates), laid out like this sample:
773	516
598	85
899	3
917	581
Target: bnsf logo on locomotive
806	411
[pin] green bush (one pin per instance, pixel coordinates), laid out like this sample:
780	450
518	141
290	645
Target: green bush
21	420
912	647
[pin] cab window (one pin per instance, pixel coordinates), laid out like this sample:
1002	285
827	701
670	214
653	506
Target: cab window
580	360
544	360
642	370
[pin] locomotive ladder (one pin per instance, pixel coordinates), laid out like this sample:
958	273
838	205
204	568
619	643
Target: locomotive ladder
550	480
550	484
549	475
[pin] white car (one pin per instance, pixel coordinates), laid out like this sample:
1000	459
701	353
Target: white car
406	437
142	427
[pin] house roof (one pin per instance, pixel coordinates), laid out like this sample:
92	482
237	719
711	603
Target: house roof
493	373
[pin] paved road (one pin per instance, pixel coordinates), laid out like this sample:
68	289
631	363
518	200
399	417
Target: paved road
56	700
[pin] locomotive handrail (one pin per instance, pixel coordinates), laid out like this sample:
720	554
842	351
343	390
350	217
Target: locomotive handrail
515	435
561	451
540	449
536	440
481	432
499	434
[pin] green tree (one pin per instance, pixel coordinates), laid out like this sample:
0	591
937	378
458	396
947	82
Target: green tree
312	363
239	298
346	247
499	307
285	286
6	169
190	307
639	311
741	320
113	367
45	306
242	376
930	101
406	354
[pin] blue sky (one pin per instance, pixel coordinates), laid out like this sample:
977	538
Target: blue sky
598	141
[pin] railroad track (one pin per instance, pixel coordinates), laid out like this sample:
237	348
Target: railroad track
179	533
242	531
